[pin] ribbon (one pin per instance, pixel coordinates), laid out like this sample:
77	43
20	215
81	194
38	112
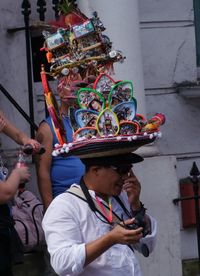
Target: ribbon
53	110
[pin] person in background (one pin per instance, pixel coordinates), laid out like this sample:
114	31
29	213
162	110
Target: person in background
86	240
9	187
9	240
56	174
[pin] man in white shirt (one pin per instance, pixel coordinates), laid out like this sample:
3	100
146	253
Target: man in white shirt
85	236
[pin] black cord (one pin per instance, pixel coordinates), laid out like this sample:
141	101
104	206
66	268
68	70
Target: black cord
122	206
91	202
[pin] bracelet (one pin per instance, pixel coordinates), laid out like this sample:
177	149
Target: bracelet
141	210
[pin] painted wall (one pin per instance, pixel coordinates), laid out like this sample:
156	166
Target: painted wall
158	178
169	58
168	44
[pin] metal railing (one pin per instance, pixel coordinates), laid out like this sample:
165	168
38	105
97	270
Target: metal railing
18	107
26	11
195	179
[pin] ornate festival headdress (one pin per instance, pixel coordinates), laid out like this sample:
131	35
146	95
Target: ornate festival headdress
77	50
106	122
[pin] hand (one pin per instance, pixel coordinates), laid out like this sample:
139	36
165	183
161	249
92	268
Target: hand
2	123
133	188
35	144
23	173
122	235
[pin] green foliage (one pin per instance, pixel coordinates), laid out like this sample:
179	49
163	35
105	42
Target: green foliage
66	6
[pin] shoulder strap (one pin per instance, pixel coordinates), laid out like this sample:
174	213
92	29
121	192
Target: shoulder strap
77	192
95	207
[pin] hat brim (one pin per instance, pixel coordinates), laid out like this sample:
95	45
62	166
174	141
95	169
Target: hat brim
111	146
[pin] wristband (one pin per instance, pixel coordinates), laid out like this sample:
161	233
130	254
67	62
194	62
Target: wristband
139	211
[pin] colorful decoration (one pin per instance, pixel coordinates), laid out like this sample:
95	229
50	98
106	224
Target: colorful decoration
128	128
53	109
109	125
78	48
125	111
86	118
90	99
120	92
84	133
103	85
154	123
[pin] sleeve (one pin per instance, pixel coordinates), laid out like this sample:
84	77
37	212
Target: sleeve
150	239
63	236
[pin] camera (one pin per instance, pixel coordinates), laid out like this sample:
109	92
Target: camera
139	221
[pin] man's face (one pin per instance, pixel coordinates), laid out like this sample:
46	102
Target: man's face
112	179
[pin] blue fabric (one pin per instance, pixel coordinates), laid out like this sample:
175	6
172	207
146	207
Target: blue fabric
64	170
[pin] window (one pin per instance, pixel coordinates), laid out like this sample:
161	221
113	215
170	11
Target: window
38	57
197	28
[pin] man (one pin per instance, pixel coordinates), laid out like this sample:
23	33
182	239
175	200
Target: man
86	240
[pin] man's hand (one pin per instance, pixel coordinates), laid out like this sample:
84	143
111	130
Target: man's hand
121	235
132	187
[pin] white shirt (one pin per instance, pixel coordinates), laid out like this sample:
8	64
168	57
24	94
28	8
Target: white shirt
69	224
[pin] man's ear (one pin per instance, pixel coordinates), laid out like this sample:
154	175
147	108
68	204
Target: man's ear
95	169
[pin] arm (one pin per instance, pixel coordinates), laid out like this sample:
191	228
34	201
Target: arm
9	187
133	188
18	136
43	164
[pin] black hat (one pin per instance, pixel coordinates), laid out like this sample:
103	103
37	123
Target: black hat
121	159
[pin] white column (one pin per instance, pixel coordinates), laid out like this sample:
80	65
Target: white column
120	19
